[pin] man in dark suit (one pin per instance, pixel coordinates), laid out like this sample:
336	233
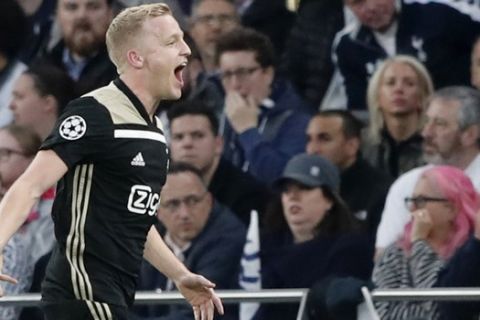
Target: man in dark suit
206	236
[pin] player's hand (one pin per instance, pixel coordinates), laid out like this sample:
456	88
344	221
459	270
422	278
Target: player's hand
198	291
241	112
422	224
4	277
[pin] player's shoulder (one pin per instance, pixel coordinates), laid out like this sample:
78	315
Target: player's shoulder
118	104
84	116
86	108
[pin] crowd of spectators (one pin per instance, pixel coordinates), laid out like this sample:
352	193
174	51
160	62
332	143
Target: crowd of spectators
323	117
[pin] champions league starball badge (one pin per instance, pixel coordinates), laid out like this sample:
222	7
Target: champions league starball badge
73	128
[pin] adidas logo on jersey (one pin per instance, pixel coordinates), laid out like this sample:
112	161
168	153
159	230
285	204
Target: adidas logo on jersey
138	160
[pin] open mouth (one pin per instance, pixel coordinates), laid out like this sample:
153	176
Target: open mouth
179	72
294	209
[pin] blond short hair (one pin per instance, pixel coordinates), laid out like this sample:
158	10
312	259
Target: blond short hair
126	26
376	122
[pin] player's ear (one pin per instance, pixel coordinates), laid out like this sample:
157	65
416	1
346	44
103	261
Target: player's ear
135	59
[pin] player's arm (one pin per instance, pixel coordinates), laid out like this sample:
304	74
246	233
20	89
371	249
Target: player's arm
44	171
196	289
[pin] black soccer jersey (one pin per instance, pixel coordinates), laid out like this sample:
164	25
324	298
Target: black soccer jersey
105	204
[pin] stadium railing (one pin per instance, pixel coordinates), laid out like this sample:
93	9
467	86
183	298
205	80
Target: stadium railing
278	296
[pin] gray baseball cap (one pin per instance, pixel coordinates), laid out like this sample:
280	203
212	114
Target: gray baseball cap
312	171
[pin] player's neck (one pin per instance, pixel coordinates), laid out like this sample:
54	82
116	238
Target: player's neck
139	89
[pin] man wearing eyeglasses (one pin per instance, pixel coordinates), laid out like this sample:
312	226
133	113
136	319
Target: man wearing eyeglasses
209	20
451	136
206	236
264	119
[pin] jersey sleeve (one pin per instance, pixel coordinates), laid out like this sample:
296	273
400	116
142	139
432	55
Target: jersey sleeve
82	133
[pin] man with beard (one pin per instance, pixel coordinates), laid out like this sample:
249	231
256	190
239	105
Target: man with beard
82	51
451	137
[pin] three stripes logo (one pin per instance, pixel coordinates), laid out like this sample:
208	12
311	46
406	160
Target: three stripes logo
75	246
138	161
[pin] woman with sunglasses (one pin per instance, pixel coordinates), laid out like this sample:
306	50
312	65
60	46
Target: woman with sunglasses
443	206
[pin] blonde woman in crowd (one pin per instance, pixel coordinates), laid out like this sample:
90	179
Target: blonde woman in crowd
397	96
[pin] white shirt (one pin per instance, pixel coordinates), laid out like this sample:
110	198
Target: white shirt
387	39
396	215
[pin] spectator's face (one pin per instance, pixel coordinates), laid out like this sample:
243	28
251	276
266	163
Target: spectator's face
441	133
304	208
193	142
12	160
325	137
185	206
475	65
400	91
27	104
212	19
83	24
442	213
243	74
374	14
161	54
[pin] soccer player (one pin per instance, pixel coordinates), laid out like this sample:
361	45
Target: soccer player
108	156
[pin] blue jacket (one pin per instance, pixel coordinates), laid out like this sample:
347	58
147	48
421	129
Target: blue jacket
438	33
215	254
265	150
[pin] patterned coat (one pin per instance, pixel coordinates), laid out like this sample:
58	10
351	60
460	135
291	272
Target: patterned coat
418	269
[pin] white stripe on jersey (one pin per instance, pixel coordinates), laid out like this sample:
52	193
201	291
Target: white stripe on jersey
70	239
106	308
93	310
85	183
82	182
139	134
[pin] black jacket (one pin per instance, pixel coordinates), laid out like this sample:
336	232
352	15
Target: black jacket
215	254
439	34
238	190
98	72
392	157
364	189
307	59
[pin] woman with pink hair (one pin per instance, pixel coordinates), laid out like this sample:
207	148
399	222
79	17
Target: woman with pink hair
443	207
